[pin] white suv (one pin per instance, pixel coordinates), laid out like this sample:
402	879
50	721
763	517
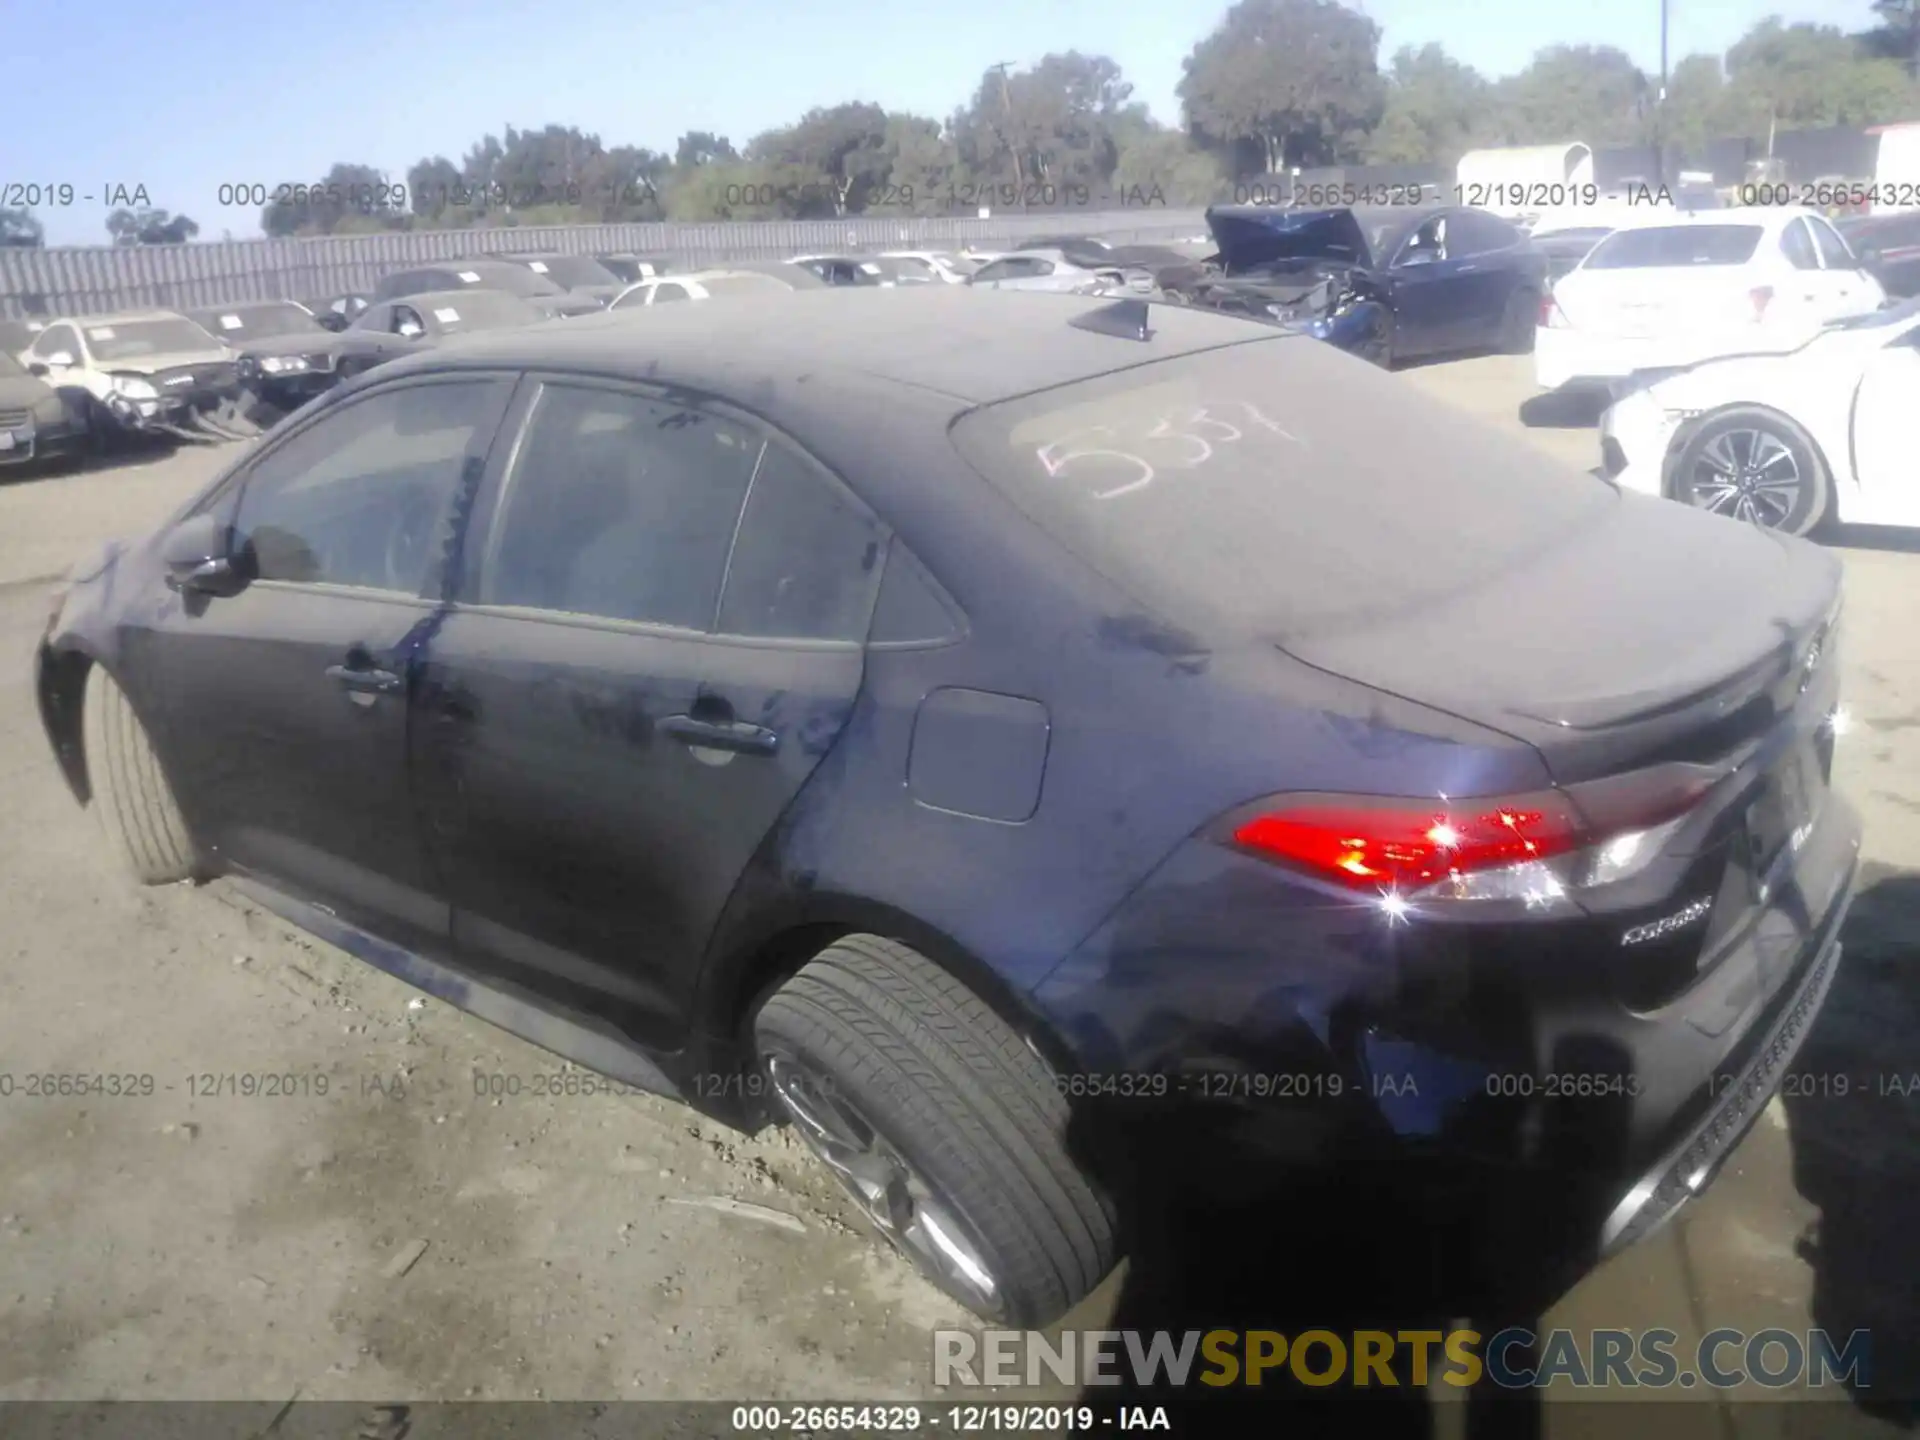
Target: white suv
1671	290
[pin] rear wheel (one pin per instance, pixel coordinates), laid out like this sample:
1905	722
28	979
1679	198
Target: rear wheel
130	792
947	1130
1755	465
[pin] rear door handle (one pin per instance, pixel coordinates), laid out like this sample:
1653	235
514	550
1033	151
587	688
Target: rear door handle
365	682
721	734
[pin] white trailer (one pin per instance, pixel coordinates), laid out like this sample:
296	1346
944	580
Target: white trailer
1522	181
1896	168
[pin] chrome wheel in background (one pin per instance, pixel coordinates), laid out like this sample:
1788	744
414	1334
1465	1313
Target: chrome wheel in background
1748	474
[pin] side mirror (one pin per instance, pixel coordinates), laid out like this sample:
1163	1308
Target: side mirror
60	359
198	558
38	367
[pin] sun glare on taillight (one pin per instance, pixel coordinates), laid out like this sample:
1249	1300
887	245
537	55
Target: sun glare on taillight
1761	296
1529	847
1549	312
1408	846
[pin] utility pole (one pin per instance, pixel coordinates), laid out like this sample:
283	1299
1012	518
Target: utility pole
1006	109
1660	106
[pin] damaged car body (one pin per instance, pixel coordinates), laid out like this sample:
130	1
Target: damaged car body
1385	283
144	372
285	355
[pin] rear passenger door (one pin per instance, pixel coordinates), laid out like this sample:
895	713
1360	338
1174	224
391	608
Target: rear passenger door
657	635
1852	290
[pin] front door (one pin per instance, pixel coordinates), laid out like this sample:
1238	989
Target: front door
287	703
605	738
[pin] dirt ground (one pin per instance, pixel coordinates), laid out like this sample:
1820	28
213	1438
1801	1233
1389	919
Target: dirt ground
400	1236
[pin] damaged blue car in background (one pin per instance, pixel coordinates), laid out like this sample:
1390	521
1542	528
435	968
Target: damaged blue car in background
1386	283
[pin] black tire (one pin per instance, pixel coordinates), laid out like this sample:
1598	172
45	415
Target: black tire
1518	322
1745	436
954	1092
130	792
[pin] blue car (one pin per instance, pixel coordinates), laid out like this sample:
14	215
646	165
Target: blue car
929	716
1386	283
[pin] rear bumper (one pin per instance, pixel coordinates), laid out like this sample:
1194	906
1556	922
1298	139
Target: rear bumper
24	444
1486	1063
1740	1094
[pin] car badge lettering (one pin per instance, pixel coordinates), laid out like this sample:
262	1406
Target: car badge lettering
1679	920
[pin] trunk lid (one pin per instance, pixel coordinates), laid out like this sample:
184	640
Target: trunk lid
1667	300
1641	632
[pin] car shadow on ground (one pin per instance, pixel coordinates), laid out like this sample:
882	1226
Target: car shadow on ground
1350	1249
1853	1111
1563	410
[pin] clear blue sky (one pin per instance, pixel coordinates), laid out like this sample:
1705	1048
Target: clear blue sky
185	95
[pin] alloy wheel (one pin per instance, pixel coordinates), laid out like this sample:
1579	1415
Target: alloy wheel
1749	474
905	1206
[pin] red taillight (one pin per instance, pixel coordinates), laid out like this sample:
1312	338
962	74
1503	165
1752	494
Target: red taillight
1552	317
1407	845
1761	296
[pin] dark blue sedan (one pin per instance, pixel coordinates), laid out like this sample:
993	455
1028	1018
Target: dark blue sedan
919	715
1388	284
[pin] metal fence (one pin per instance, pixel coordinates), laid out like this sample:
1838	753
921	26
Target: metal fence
83	280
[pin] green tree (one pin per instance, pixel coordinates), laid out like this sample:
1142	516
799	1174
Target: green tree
1296	82
702	147
433	185
1166	161
828	160
1435	105
1591	93
19	228
349	198
150	226
1808	76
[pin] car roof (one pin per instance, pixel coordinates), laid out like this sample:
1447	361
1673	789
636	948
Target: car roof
427	299
972	346
1041	252
118	317
1768	217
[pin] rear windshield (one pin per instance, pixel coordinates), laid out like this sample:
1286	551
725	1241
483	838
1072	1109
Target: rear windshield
483	310
742	285
1276	486
514	279
1676	245
137	339
572	270
255	322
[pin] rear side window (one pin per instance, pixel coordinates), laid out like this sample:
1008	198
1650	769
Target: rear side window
1834	253
664	293
807	562
1676	245
1797	245
1470	232
1266	488
619	506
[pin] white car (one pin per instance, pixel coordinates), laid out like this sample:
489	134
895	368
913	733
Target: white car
700	285
931	265
1669	290
138	370
1050	270
1825	432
